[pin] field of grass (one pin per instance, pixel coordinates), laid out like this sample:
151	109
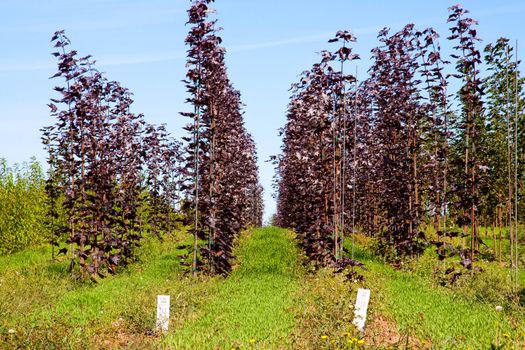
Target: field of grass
250	308
420	312
43	308
271	300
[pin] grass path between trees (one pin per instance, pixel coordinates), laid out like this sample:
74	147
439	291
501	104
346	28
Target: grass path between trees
252	307
255	307
269	301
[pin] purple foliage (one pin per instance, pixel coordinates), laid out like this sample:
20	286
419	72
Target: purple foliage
220	177
101	158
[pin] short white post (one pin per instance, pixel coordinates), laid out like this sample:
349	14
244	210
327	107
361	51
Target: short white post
163	312
361	308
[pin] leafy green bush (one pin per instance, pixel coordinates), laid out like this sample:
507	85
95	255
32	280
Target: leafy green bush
22	206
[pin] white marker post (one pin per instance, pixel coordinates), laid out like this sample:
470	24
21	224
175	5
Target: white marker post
163	312
361	308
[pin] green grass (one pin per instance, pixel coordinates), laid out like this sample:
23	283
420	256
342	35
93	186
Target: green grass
435	315
252	307
25	259
46	308
269	301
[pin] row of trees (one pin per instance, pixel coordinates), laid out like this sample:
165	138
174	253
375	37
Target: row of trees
220	171
109	169
114	177
315	162
396	150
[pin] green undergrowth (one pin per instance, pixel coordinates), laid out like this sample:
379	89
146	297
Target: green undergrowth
427	315
42	307
256	307
250	309
271	300
490	248
324	313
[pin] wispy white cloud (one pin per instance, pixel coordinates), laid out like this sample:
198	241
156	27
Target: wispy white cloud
104	61
146	18
118	60
280	42
24	67
430	21
321	37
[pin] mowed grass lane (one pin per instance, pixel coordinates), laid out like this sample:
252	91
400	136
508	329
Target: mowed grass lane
252	308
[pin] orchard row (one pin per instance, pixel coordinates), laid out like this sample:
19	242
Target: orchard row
399	150
113	177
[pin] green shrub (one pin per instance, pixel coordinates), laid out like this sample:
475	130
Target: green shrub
22	206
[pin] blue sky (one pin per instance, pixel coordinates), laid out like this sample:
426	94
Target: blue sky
141	44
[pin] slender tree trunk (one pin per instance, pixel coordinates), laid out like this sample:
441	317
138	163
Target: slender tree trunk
211	237
196	184
516	256
473	237
494	239
465	226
